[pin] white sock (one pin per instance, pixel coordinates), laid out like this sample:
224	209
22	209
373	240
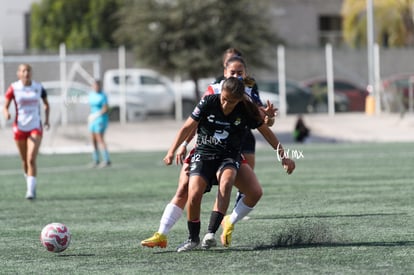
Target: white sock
31	184
172	213
239	212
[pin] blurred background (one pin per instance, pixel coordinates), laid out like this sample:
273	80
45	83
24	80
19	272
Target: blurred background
157	57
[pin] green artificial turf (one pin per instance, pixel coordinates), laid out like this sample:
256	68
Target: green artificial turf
347	209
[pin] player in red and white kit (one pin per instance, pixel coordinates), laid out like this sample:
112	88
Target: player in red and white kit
27	126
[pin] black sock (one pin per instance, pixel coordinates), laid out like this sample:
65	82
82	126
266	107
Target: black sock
215	221
194	229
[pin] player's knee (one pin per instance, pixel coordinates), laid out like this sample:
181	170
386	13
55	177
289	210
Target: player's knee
31	162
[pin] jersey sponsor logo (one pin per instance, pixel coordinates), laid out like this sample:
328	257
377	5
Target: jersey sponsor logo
221	135
237	121
203	140
210	118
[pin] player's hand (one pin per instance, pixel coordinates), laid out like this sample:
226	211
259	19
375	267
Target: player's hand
46	125
270	109
289	165
180	155
168	159
269	121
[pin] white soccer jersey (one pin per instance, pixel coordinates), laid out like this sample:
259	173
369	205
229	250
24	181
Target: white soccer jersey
27	102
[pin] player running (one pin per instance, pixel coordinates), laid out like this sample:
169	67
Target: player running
27	126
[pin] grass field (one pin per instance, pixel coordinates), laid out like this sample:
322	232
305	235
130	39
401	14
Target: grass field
347	209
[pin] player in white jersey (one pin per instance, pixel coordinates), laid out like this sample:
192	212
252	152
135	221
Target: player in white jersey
27	126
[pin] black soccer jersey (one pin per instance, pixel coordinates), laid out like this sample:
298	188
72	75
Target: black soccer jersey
220	135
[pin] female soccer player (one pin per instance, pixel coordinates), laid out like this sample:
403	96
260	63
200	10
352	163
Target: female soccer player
98	123
221	121
27	126
246	180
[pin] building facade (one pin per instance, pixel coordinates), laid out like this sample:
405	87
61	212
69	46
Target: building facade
299	23
307	23
14	25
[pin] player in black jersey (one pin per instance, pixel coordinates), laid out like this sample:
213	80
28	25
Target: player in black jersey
235	65
246	180
221	121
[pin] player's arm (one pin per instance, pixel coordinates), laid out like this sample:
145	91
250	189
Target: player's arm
6	112
8	99
105	107
189	127
46	107
271	138
182	149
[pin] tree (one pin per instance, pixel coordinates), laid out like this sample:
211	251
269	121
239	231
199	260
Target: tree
394	25
79	24
190	36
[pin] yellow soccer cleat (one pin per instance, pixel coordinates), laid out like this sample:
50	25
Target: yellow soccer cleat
156	240
228	228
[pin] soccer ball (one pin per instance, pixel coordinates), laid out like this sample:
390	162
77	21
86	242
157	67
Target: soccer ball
55	237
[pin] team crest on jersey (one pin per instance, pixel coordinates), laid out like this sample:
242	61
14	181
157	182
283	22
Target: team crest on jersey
237	121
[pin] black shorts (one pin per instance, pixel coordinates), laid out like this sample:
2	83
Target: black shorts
208	168
249	144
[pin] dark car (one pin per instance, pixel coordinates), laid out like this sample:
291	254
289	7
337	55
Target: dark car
348	96
298	98
396	90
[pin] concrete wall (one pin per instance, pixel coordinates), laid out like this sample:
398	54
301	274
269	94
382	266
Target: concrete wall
12	24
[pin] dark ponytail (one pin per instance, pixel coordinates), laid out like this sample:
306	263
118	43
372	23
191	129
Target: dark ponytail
252	109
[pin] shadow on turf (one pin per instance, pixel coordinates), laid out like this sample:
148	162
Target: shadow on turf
305	233
76	255
333	244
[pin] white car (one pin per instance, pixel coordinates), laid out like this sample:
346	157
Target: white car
146	92
72	108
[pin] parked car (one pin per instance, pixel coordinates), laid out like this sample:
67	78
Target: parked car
272	97
348	96
396	90
75	104
186	88
298	98
147	92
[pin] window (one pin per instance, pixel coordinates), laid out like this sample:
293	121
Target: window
330	30
128	80
147	80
